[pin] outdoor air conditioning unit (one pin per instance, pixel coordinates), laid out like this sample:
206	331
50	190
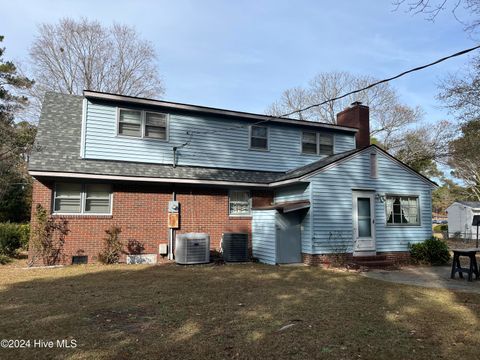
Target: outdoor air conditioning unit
192	248
235	247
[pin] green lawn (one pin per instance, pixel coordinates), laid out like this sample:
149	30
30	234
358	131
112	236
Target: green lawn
233	311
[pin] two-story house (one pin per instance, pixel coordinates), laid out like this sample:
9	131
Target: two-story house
302	190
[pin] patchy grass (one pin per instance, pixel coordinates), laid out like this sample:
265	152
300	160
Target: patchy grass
234	311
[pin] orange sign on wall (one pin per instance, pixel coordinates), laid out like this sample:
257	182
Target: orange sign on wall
173	220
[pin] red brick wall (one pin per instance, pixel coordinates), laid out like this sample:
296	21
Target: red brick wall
398	257
141	211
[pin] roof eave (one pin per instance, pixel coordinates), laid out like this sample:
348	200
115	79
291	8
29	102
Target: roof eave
213	111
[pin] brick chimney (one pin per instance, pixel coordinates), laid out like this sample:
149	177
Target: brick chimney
357	116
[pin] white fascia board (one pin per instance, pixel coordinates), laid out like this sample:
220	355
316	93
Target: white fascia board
143	179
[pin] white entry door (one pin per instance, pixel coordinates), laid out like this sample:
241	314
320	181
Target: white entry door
364	222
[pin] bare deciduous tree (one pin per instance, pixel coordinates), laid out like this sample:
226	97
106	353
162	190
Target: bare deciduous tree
71	56
431	9
389	117
460	92
397	127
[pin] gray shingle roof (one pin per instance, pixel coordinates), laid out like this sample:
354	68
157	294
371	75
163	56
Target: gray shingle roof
316	165
472	204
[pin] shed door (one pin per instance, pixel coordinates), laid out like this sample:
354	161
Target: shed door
364	221
289	242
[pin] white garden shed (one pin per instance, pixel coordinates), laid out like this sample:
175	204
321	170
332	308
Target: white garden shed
460	216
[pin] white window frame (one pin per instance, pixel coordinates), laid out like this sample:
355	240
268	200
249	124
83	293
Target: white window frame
143	124
419	214
83	201
249	203
318	135
250	138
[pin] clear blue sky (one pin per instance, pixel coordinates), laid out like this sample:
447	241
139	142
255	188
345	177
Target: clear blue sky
243	54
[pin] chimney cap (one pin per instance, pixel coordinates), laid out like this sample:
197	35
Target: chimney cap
356	103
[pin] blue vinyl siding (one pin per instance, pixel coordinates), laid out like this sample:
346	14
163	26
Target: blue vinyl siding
332	205
295	192
264	236
225	148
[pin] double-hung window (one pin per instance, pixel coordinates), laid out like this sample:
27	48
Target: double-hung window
402	210
156	125
97	198
309	142
68	198
258	137
130	123
317	143
326	144
143	124
76	198
239	203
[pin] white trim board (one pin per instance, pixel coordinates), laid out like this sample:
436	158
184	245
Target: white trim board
142	179
84	128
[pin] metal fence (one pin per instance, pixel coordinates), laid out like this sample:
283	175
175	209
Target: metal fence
466	236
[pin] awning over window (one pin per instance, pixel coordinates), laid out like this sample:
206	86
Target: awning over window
287	206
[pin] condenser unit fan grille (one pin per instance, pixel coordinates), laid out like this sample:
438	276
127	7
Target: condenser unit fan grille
235	247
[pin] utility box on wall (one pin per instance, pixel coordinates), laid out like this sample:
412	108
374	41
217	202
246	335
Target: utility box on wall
173	214
173	207
173	220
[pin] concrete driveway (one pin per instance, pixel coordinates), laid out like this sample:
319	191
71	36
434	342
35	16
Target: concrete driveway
426	276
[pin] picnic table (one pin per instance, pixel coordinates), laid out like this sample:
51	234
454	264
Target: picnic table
472	269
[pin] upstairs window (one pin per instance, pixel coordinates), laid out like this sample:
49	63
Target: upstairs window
326	144
402	210
239	203
309	142
143	124
156	125
258	137
76	198
317	143
130	123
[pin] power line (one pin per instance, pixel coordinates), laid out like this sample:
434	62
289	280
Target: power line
418	68
463	52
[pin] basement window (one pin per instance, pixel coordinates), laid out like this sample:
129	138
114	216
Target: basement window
77	198
239	203
258	137
402	210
